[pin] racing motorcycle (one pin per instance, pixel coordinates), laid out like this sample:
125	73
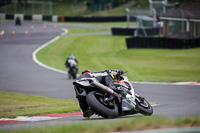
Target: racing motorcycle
110	103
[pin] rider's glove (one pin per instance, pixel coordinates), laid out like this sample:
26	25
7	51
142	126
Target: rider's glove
120	72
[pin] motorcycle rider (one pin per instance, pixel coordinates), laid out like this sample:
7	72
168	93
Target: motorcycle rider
71	62
18	21
107	77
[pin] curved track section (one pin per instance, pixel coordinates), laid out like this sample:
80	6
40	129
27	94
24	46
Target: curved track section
18	72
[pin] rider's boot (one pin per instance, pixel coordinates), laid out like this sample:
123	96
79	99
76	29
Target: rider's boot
88	113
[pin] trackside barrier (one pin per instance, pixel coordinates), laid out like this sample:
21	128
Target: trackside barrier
34	17
131	31
94	19
161	42
55	18
2	16
47	18
37	17
123	31
40	17
28	17
9	17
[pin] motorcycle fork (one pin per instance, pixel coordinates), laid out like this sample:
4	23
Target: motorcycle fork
139	98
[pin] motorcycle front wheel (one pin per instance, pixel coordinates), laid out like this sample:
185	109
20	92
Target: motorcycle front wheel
145	108
96	101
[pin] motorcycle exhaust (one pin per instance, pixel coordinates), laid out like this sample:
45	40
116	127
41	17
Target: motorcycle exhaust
105	89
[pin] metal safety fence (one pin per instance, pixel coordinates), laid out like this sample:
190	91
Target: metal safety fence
26	7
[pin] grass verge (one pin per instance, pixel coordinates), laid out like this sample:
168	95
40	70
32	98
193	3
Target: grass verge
74	31
102	52
13	105
116	125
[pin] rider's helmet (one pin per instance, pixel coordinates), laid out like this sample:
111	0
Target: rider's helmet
86	71
71	56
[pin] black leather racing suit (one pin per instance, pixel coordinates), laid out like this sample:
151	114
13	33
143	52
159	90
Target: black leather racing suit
72	58
103	77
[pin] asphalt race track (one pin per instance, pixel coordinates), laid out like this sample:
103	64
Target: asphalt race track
20	74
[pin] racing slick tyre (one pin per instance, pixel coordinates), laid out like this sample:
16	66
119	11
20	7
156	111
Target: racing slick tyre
145	108
105	109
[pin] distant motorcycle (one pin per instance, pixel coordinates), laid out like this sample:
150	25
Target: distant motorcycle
18	21
73	70
111	104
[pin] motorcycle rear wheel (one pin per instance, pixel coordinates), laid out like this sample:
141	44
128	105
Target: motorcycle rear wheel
72	73
96	102
145	108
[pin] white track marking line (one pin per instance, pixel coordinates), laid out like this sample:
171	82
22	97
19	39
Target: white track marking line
43	46
30	119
